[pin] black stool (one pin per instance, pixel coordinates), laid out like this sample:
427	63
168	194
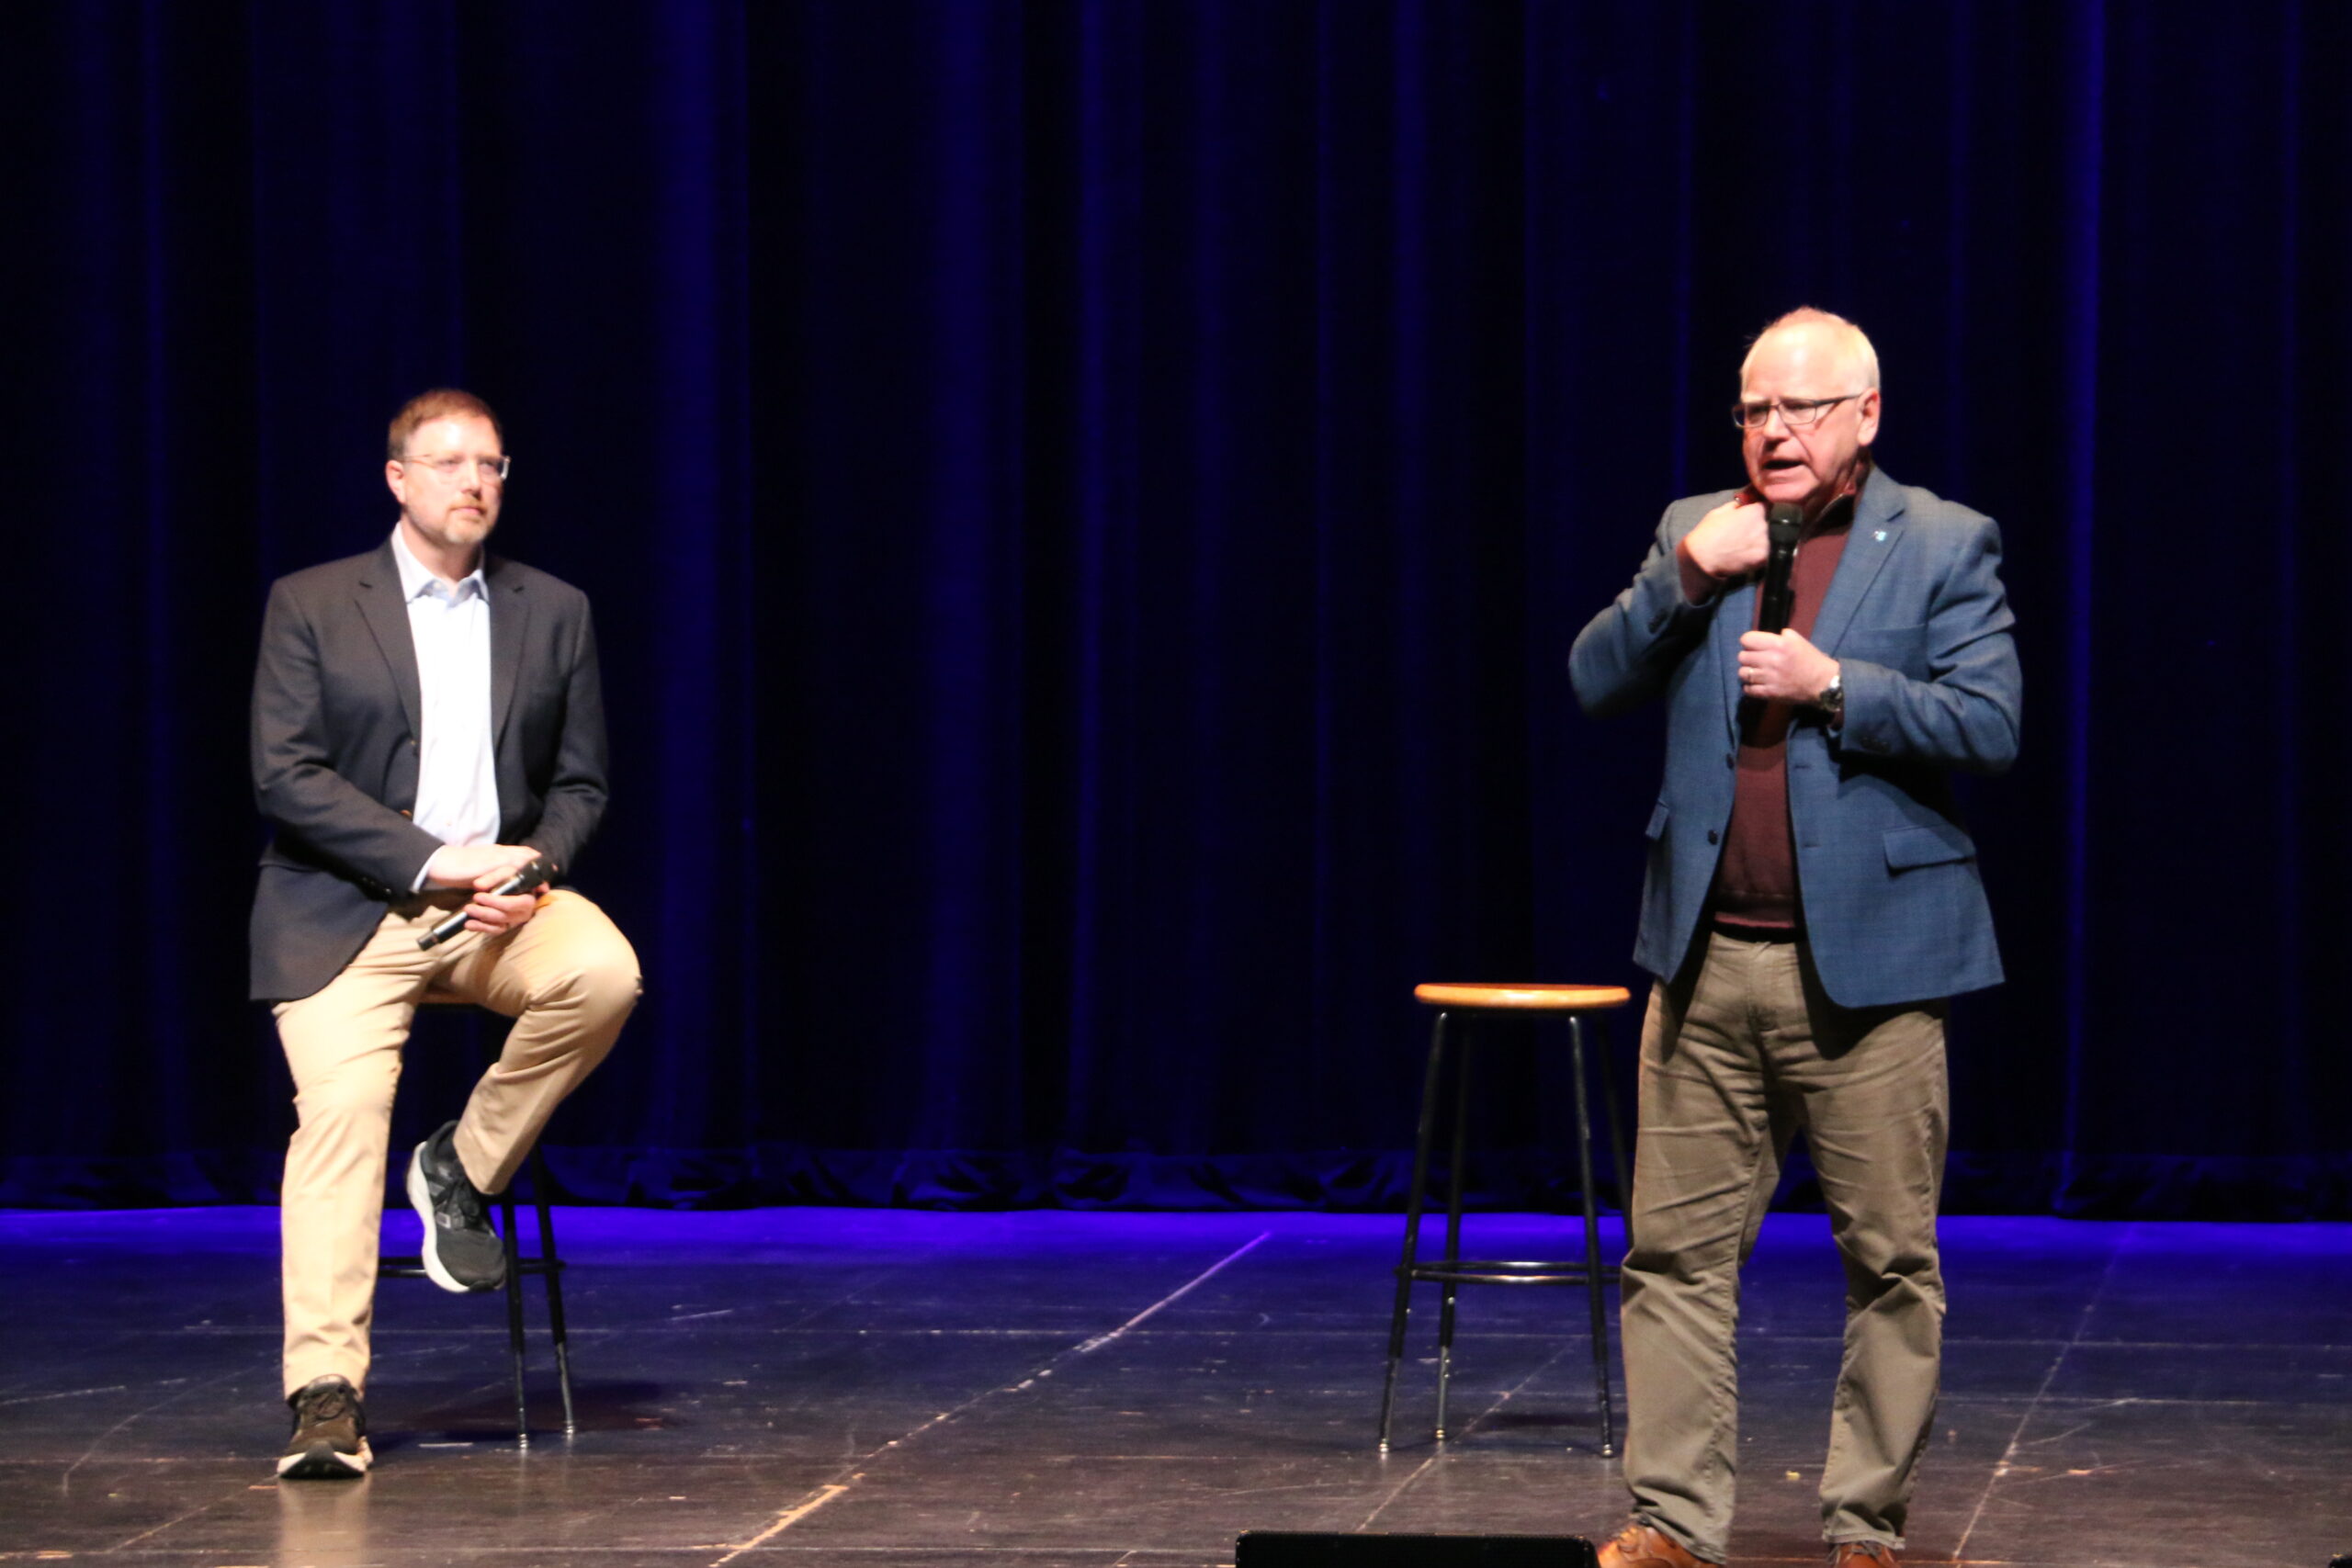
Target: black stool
545	1264
1457	1004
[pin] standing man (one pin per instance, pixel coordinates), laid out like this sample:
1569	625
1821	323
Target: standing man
1812	899
427	721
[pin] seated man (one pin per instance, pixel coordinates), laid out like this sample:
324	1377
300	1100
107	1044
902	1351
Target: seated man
427	721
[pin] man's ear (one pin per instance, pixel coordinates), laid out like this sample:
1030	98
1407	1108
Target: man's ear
396	480
1869	431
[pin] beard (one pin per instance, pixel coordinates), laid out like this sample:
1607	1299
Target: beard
462	528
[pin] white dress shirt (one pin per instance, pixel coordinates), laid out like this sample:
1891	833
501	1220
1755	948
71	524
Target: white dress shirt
457	772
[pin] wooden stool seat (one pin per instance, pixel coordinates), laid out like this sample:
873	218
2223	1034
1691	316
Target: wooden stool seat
1531	997
1457	1003
544	1263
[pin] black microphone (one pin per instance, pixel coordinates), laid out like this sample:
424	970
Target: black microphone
531	876
1783	523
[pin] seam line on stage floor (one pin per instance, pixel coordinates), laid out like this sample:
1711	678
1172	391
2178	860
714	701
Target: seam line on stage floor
2041	1394
853	1472
1437	1452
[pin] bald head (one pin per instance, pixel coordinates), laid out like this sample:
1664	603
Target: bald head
1830	340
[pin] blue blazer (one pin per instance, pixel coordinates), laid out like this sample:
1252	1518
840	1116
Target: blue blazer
1917	618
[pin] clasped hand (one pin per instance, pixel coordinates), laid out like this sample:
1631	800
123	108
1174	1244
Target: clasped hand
484	868
1731	541
1783	667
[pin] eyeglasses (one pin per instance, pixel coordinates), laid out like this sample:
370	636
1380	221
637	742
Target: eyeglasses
494	470
1795	412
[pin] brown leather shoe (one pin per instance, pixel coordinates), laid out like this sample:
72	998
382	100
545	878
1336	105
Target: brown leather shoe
1863	1554
1639	1546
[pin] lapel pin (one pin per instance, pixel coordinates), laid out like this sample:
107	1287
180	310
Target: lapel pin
1880	536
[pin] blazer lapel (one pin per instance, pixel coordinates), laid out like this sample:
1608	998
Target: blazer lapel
1877	530
386	612
510	615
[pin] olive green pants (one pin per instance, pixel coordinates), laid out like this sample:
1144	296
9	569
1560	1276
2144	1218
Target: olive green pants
1737	1058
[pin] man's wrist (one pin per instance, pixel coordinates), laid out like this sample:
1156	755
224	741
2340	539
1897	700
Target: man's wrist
1831	698
1699	584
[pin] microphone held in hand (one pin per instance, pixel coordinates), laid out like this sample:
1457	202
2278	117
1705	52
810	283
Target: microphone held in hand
529	879
1783	524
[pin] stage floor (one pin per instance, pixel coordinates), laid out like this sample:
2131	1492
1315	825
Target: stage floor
1059	1390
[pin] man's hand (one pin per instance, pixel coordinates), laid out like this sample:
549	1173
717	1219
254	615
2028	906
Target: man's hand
476	866
1783	667
1730	541
491	913
484	867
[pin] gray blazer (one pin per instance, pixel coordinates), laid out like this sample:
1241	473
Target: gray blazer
1895	908
334	750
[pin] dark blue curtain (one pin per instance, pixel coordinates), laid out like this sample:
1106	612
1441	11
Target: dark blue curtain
1087	503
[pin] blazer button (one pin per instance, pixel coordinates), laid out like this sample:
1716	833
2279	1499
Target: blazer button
1713	836
1730	760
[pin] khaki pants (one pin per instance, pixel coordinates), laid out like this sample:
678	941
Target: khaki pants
566	976
1735	1060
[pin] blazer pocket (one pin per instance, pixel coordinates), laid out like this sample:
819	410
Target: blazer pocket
1908	849
1902	649
1656	829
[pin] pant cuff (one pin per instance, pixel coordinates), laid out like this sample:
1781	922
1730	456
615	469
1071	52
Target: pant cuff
300	1377
1683	1539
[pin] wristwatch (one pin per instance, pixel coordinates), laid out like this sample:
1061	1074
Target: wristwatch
1832	700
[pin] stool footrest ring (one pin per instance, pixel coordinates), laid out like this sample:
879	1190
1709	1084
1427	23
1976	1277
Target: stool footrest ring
1479	1271
413	1267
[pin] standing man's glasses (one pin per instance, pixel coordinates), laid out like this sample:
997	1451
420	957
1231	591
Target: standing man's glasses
1796	412
494	470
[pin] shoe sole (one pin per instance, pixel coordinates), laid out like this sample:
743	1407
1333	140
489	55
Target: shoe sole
324	1462
420	1198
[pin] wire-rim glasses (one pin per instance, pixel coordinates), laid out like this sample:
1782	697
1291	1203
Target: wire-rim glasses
492	470
1795	412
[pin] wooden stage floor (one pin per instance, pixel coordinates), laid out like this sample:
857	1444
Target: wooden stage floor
1078	1391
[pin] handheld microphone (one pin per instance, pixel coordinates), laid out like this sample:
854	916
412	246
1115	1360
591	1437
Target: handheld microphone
1783	523
532	876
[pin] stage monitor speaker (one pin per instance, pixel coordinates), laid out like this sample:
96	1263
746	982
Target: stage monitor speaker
1289	1549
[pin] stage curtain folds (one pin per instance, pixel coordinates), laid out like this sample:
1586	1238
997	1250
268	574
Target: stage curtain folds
1087	503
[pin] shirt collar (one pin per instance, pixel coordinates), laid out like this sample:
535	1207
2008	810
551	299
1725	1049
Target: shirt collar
1839	514
417	578
1839	508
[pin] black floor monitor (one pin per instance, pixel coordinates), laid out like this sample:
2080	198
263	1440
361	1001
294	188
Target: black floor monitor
1289	1549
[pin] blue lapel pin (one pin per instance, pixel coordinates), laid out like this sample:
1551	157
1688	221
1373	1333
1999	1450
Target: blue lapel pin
1880	536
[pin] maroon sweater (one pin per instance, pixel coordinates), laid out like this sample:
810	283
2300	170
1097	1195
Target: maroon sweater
1756	881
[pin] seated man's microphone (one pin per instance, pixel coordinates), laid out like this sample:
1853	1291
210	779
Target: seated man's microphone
528	879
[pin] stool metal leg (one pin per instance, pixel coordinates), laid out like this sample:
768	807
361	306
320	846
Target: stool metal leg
515	1313
1616	1120
551	1271
1431	1079
1592	1264
1454	1220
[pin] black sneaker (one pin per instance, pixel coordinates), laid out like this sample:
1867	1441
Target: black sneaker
461	1252
330	1441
